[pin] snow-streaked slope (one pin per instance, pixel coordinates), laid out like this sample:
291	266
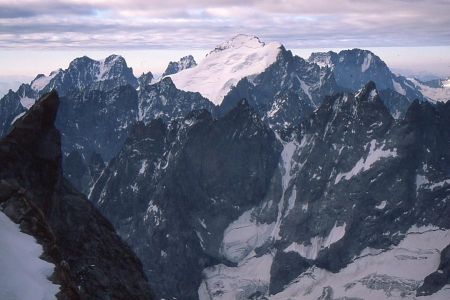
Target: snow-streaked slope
23	275
434	93
375	274
250	277
42	81
242	56
375	154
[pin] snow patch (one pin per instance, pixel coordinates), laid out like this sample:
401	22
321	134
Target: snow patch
23	275
366	63
439	184
422	182
27	102
318	243
291	202
382	205
143	168
398	88
17	117
375	154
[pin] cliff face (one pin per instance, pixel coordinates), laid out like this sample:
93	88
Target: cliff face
91	261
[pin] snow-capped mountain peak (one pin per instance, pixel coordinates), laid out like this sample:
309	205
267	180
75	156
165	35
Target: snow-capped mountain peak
242	56
238	41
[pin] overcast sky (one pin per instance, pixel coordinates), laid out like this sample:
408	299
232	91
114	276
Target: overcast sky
43	34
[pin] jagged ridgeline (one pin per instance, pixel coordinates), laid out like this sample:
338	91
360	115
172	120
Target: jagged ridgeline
257	174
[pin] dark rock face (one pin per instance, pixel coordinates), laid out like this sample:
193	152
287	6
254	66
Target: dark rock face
76	171
174	182
344	129
163	100
145	79
91	260
396	103
10	107
286	92
98	121
336	183
285	268
185	62
352	69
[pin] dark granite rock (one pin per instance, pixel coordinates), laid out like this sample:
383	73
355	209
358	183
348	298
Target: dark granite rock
92	262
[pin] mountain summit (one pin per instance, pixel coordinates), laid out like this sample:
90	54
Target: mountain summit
242	56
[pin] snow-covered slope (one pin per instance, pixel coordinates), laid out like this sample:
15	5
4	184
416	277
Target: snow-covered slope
23	275
434	93
394	273
41	81
391	274
222	68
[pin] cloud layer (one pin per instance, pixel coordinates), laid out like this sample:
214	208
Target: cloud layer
201	24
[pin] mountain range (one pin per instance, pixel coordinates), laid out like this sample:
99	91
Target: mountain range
252	174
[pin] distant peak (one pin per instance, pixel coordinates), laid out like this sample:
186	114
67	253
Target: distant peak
188	58
53	73
80	60
113	58
145	78
186	62
358	51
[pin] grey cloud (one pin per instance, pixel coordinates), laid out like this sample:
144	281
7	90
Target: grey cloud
202	24
19	9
